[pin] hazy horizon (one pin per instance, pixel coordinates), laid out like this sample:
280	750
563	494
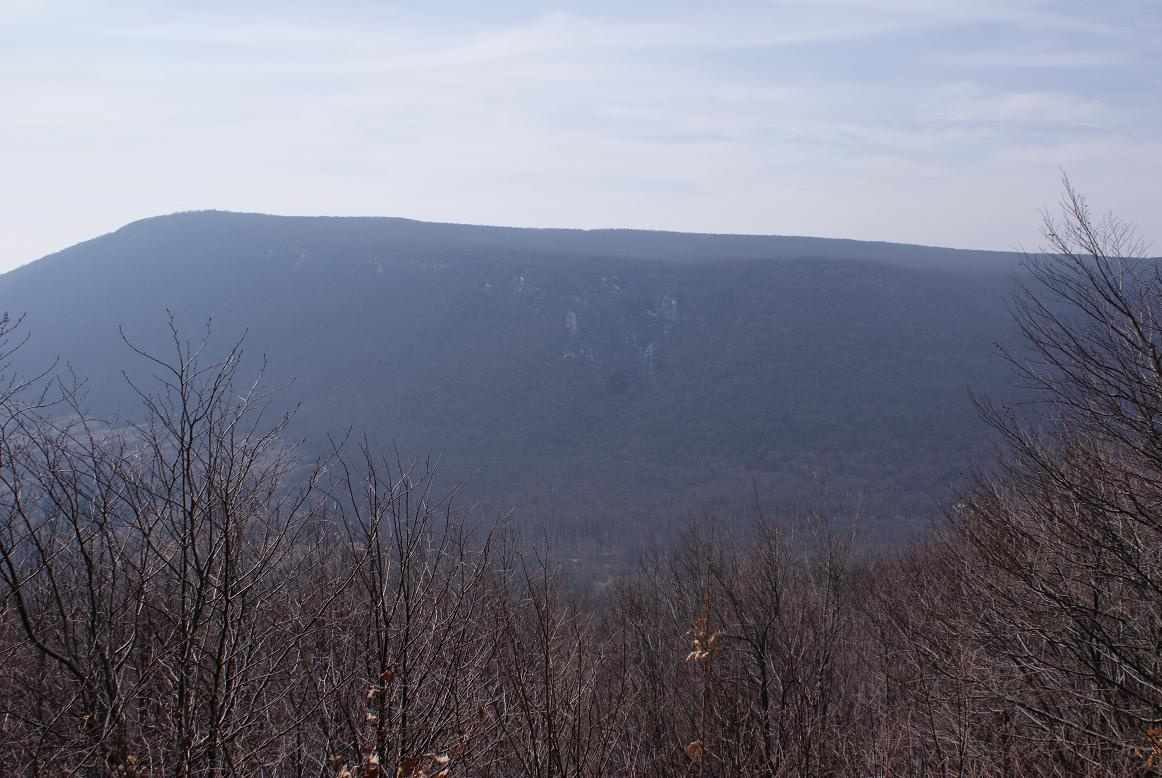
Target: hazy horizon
898	121
448	223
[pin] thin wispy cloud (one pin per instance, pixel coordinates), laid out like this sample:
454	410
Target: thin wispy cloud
888	120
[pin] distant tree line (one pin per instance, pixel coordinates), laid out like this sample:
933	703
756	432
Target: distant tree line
184	596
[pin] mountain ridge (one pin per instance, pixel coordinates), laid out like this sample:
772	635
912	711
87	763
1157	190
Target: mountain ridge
596	381
736	246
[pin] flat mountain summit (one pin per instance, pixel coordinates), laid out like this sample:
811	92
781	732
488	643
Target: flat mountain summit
605	384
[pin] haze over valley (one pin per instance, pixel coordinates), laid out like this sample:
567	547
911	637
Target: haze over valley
605	385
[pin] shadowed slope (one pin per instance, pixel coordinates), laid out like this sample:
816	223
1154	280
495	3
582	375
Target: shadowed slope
603	382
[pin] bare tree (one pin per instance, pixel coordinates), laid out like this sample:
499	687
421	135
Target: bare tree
1064	540
414	623
562	681
150	569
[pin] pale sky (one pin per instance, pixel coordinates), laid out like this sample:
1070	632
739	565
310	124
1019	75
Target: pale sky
943	122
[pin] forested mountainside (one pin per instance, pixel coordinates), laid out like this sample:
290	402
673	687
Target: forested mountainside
185	596
604	384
